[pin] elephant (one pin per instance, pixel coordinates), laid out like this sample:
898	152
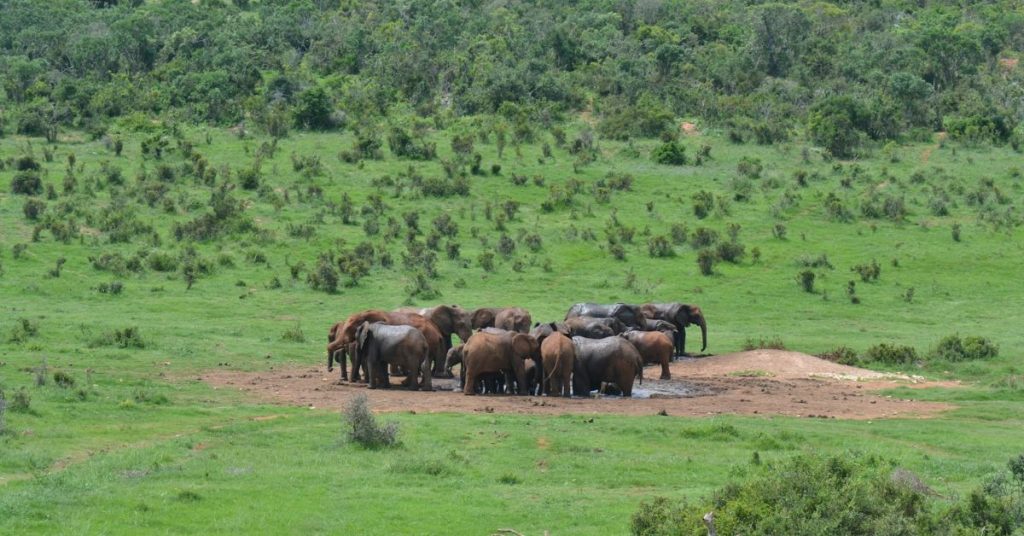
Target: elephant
509	318
629	315
654	347
668	328
491	382
449	319
594	327
558	354
680	315
513	319
342	335
498	351
602	361
379	344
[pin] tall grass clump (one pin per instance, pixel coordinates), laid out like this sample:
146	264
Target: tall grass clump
362	427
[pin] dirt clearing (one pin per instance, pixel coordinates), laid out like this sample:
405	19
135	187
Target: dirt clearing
760	382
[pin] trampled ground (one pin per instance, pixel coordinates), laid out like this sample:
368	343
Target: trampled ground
759	382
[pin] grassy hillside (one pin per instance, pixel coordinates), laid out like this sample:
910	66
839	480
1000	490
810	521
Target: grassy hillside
137	442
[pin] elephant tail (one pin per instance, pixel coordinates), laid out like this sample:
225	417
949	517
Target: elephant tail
639	363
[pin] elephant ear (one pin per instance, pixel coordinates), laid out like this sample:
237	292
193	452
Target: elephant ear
363	336
525	345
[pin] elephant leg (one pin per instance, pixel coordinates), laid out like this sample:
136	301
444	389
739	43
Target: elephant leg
681	337
469	384
424	370
665	374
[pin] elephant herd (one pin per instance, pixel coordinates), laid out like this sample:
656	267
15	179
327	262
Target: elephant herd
595	347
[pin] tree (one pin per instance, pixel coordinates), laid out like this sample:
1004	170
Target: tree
837	125
313	109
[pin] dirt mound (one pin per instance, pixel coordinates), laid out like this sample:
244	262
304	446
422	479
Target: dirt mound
781	364
760	382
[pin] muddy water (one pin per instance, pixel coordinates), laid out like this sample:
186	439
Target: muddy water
649	389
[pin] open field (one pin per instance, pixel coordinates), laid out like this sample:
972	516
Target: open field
152	436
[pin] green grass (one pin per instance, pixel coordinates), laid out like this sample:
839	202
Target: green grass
122	457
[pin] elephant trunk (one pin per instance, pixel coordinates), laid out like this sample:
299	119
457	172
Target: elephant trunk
703	333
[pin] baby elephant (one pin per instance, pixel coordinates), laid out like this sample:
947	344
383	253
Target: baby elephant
654	347
380	345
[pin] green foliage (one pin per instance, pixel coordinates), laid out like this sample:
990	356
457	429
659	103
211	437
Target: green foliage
852	494
891	354
363	428
670	153
954	348
806	280
26	183
837	124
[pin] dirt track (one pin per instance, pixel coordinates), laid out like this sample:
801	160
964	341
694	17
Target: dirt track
761	382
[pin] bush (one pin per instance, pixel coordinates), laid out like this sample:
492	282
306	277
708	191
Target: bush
891	354
775	343
844	355
364	428
23	330
324	277
806	280
33	208
953	348
21	402
160	261
868	272
294	334
670	153
129	337
731	252
27	183
659	247
703	237
706	262
703	204
63	379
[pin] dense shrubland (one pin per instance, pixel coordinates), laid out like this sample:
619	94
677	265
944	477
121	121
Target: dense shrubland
840	73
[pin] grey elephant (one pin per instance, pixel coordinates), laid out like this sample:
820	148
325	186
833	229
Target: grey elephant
680	315
604	361
380	345
630	315
593	327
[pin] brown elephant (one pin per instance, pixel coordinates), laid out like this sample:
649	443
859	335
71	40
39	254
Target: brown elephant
599	362
680	315
342	335
379	345
558	356
668	328
513	319
654	347
449	319
509	318
493	350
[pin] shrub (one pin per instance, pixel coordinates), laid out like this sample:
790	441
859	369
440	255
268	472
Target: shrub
806	280
731	252
659	247
363	428
26	183
703	204
162	262
868	272
775	343
891	354
670	153
953	348
294	334
703	237
324	277
63	379
706	262
956	232
33	208
23	330
114	288
844	355
617	251
486	261
779	231
21	401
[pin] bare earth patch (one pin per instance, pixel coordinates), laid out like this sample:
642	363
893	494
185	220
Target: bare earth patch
759	382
